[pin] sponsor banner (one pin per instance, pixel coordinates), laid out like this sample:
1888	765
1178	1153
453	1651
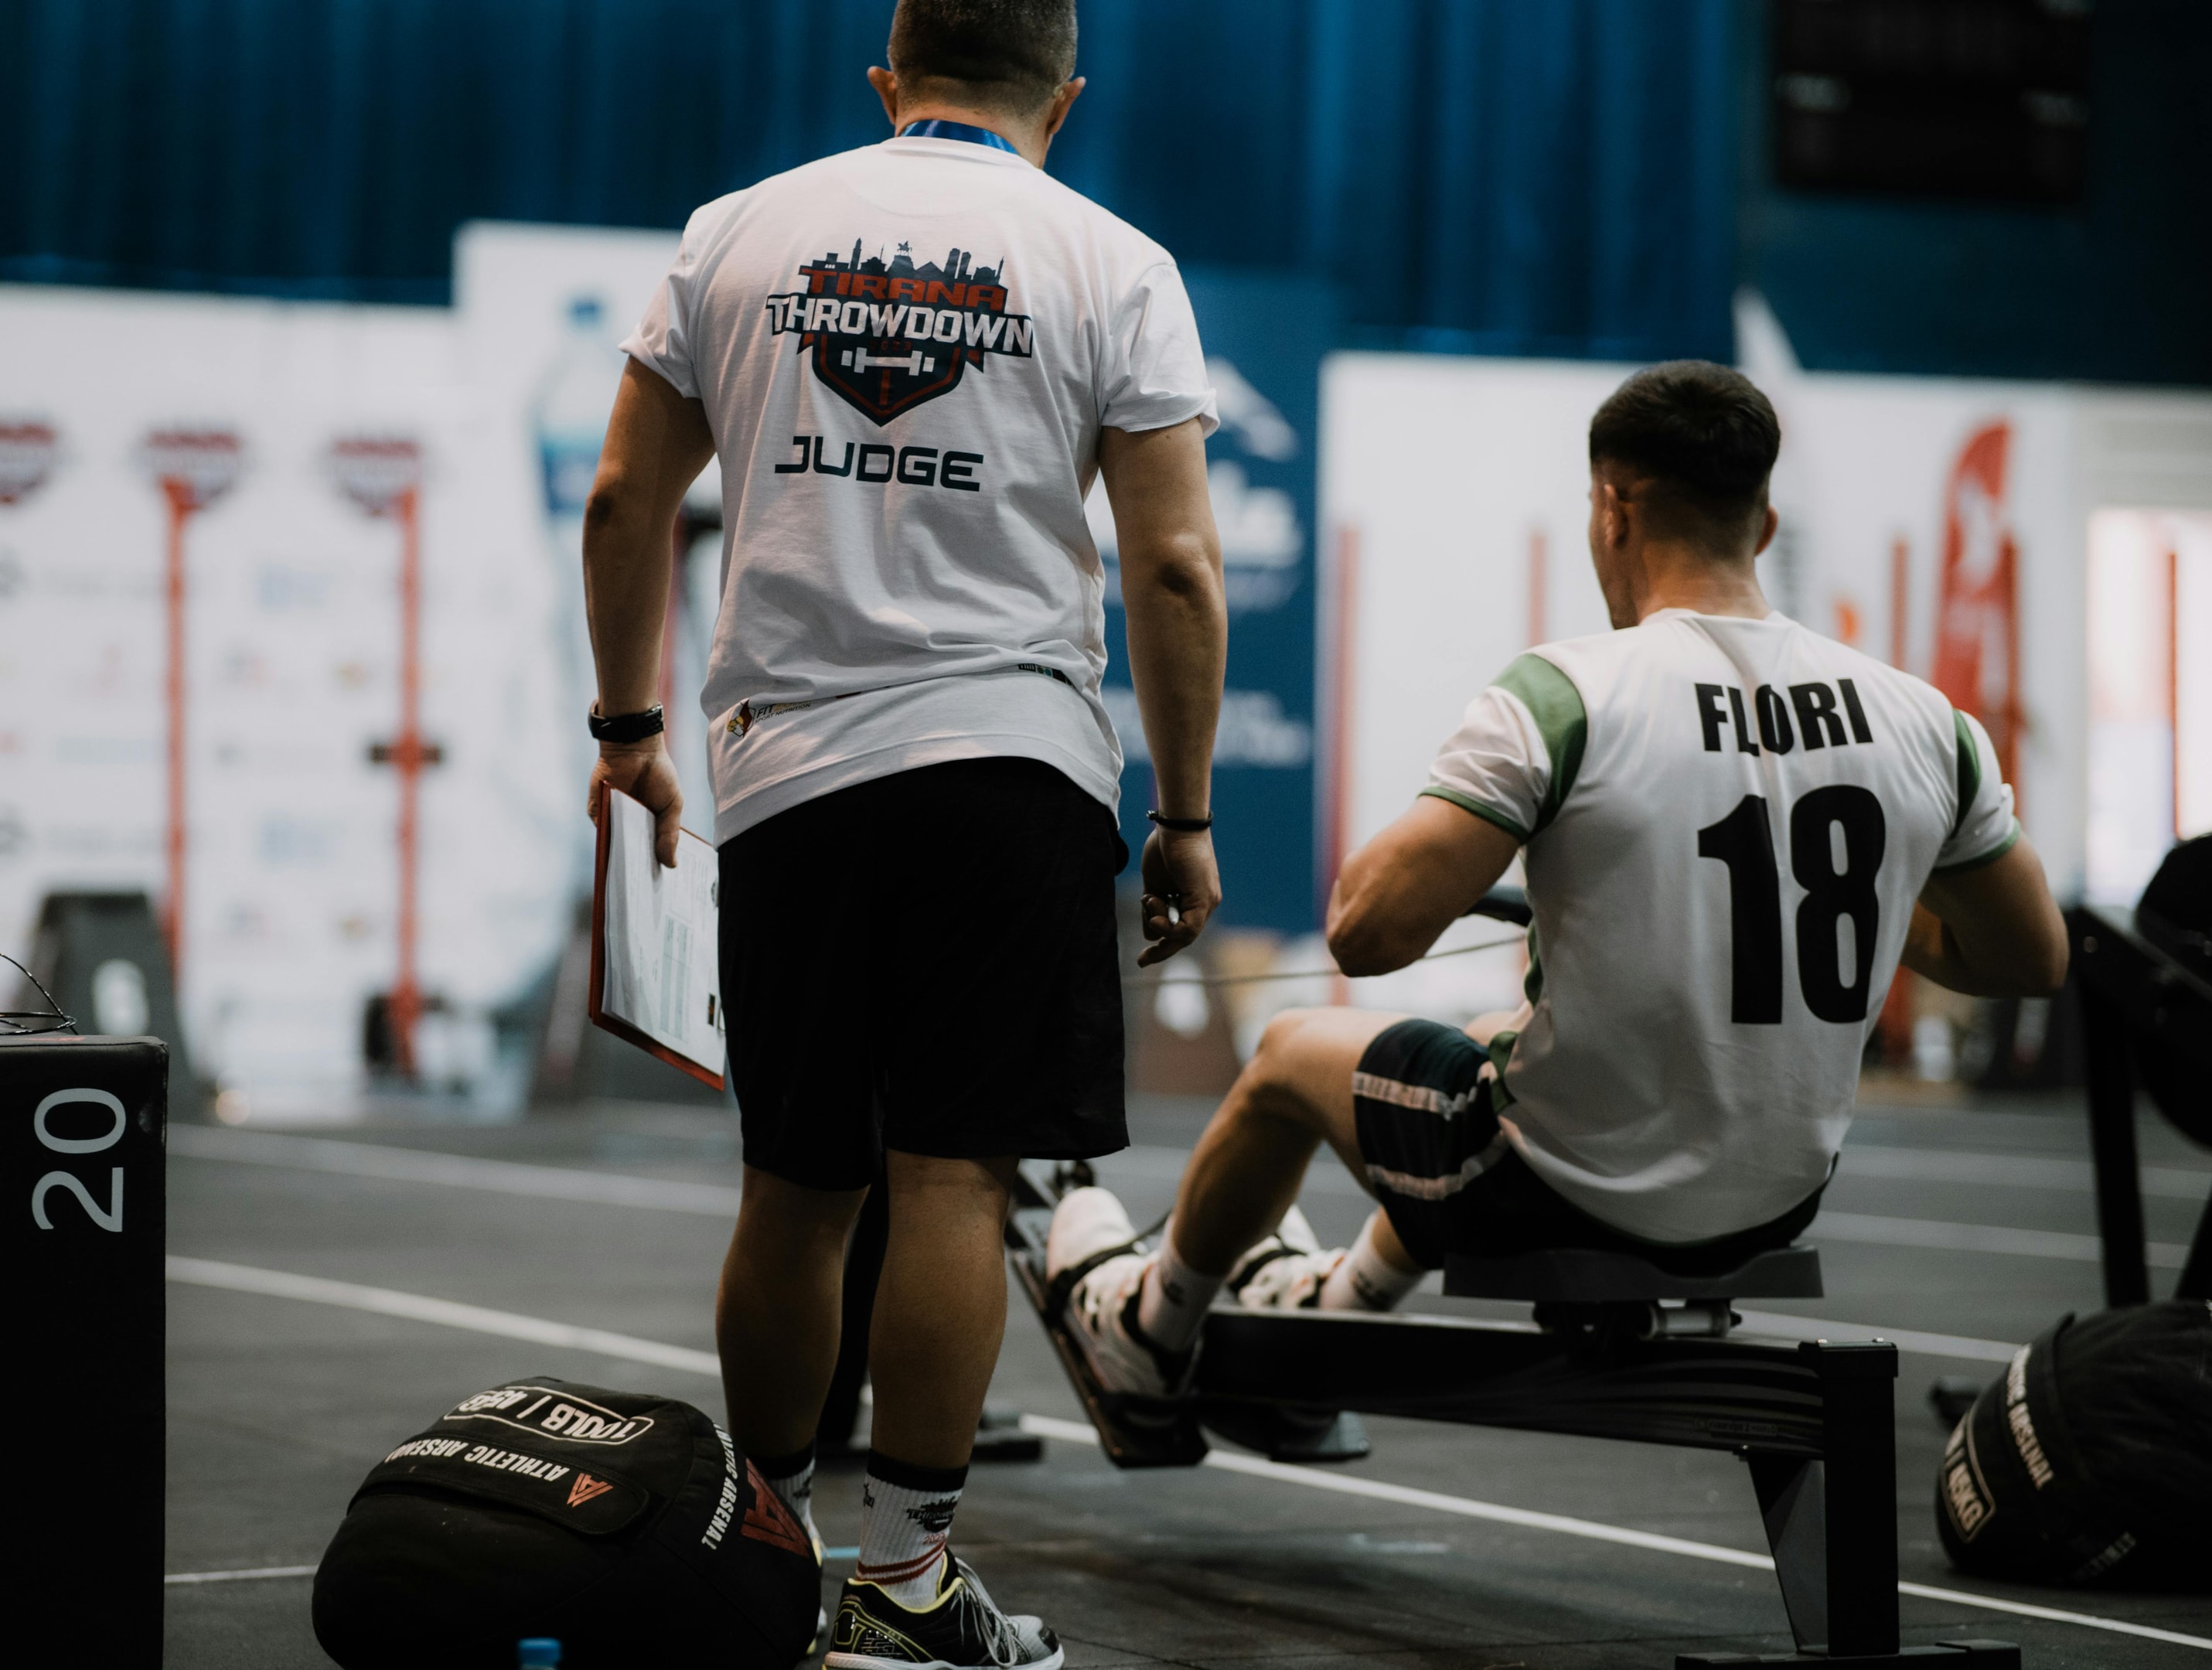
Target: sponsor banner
538	313
1265	339
244	481
276	466
2150	700
1942	525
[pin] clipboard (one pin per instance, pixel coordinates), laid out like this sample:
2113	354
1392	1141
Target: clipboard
656	964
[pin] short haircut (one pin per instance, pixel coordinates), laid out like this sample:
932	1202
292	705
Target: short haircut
1011	55
1705	435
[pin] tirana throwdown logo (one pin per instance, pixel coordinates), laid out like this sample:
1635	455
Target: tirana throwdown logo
887	336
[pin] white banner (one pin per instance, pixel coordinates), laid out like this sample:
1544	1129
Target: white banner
1942	523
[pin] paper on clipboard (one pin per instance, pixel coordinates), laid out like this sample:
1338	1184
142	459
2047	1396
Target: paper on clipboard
656	964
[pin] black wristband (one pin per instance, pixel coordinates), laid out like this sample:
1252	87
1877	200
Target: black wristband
1182	825
626	728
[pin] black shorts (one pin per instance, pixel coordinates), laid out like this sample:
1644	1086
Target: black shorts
926	962
1452	1183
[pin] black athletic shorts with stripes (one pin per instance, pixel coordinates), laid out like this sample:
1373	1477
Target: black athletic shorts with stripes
926	962
1452	1183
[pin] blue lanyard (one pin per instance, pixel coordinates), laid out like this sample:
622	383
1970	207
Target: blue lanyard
938	129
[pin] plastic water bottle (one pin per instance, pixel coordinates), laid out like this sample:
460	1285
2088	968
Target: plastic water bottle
537	1652
573	406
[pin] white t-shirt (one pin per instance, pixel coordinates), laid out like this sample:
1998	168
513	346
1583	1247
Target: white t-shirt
1727	822
906	354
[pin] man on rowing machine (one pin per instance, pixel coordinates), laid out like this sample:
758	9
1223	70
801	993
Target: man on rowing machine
1733	830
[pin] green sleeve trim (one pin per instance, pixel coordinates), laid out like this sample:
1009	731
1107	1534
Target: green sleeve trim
1551	696
1970	771
1501	1057
1468	803
1532	984
2011	840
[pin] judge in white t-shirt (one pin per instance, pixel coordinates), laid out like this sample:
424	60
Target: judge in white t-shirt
913	361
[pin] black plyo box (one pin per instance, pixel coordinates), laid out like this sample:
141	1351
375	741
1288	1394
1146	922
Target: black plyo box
86	1122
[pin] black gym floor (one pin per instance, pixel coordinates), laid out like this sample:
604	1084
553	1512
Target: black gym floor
333	1291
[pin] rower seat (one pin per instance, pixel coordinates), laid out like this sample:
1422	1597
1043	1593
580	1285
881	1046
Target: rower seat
1578	1290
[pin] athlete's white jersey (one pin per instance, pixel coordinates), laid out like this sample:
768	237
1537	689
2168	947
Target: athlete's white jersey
1727	822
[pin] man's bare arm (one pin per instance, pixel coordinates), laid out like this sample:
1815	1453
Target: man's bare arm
1178	648
657	444
1404	888
1991	931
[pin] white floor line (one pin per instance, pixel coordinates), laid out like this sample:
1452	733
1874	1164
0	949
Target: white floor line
1045	1426
261	1571
1156	1163
1958	1165
414	1165
239	1577
446	1313
2053	1615
1343	1484
1906	1340
1870	1229
507	1324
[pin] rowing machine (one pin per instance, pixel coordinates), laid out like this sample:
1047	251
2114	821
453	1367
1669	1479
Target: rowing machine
1620	1348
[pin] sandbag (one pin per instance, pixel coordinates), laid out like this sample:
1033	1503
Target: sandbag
2090	1462
2175	911
624	1524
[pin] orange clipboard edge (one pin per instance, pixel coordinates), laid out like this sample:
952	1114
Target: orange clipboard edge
606	1023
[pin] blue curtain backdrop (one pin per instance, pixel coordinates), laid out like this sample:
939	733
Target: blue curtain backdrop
1574	177
1551	179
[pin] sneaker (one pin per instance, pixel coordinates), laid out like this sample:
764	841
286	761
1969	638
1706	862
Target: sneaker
1286	1270
1089	1227
963	1629
1087	1223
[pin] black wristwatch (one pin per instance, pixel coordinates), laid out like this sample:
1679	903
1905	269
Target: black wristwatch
625	727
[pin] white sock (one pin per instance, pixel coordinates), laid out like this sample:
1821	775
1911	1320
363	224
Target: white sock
1172	1306
792	1479
1365	1279
906	1520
